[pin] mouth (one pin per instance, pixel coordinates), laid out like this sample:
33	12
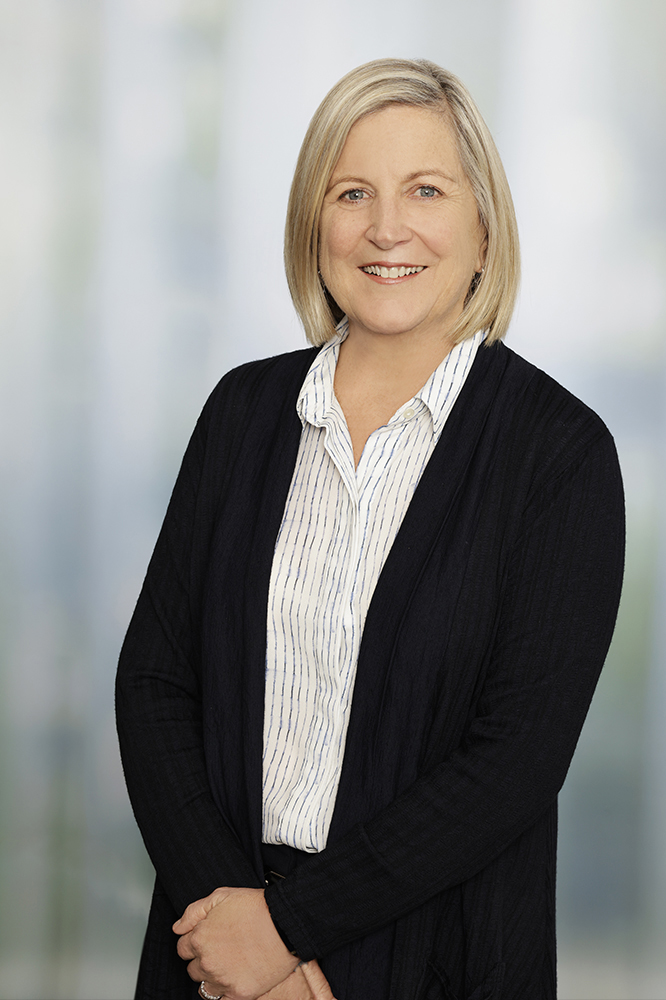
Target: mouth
392	270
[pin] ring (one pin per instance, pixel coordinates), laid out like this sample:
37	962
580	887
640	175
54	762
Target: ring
205	994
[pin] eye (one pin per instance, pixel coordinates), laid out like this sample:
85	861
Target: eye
355	194
427	191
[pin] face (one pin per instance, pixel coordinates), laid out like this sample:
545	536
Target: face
400	237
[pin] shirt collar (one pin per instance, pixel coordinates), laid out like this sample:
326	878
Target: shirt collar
316	400
441	390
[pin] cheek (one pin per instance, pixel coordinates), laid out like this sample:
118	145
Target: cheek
443	235
453	235
337	240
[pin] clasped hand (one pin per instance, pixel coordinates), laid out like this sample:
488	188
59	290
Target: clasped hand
231	944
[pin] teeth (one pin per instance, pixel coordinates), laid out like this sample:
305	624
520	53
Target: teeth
391	272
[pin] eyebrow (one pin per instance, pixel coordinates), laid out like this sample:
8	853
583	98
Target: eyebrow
410	177
431	173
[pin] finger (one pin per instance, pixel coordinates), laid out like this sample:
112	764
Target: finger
212	988
194	914
185	949
199	975
197	911
317	981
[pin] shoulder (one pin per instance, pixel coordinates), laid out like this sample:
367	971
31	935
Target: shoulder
250	414
247	404
543	425
534	399
258	386
269	377
537	396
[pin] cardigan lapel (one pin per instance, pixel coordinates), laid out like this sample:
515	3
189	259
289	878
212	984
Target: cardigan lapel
249	521
280	458
426	520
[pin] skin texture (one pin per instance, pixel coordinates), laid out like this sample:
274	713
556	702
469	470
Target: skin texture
231	943
398	196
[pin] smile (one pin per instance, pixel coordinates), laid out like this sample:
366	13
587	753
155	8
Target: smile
391	272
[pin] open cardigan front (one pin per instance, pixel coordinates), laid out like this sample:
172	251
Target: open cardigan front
481	649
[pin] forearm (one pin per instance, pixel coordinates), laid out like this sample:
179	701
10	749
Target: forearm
158	705
159	728
554	626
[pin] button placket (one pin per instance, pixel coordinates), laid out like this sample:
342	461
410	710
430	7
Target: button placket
339	447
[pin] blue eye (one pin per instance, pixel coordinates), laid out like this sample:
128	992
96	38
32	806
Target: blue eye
427	191
354	195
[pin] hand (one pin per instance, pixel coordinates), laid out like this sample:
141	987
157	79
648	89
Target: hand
231	943
307	982
316	980
294	987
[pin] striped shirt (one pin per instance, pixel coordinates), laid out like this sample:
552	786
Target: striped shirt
338	527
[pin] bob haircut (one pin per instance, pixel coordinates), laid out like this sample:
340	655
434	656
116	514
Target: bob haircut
363	91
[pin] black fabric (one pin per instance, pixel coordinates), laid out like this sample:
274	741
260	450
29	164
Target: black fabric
362	970
162	972
483	642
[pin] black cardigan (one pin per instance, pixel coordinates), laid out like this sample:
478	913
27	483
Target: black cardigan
481	649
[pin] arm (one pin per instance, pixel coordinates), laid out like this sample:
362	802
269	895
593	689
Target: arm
159	725
253	962
560	598
158	706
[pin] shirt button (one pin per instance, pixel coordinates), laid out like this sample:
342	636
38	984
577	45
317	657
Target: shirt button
408	414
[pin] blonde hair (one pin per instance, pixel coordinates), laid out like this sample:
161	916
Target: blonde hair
369	88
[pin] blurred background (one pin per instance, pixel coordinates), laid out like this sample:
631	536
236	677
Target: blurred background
146	150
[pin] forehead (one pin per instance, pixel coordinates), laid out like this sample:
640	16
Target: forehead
402	134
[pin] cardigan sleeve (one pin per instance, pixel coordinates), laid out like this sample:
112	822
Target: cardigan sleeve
555	624
159	717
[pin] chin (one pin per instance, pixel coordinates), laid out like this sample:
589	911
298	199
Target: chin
390	325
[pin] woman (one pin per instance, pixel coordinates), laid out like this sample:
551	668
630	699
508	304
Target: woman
380	600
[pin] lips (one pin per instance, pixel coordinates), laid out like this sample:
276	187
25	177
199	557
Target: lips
392	270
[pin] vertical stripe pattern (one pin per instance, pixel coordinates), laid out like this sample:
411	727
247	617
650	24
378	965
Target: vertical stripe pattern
338	526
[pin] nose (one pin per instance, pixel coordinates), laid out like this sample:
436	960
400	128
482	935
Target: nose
388	226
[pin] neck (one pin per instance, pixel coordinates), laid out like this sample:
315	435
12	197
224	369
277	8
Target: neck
376	374
403	358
